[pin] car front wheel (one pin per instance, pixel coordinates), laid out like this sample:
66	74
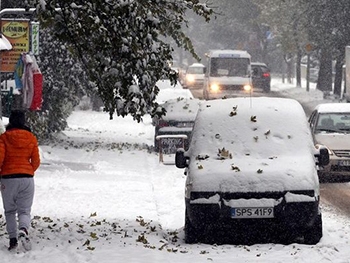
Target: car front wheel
191	234
314	233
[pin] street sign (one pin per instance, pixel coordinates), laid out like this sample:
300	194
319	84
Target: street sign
17	32
309	47
34	47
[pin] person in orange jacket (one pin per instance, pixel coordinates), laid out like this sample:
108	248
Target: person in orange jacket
19	159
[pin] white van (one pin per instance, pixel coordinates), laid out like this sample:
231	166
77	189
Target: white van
228	74
252	173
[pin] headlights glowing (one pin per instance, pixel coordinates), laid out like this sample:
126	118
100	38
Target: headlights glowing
214	87
247	87
190	78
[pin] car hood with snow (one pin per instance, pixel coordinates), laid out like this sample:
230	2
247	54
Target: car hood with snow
181	109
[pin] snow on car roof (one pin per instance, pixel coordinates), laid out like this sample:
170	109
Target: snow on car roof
196	65
333	107
229	53
181	109
265	145
168	91
258	64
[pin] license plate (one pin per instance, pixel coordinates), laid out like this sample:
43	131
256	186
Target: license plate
344	163
252	212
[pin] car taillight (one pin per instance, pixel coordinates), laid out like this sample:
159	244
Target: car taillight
266	75
163	124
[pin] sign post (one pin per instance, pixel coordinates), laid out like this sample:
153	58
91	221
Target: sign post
169	143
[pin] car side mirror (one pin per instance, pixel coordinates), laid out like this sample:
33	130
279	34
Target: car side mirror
323	156
181	159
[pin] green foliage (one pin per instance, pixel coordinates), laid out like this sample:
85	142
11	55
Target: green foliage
64	83
123	45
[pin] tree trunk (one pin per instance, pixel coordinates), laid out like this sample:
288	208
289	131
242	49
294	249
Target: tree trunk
338	79
324	82
298	68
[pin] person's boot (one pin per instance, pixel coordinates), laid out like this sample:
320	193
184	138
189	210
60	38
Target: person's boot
13	244
23	237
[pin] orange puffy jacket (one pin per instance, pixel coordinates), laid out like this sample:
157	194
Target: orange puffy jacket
19	153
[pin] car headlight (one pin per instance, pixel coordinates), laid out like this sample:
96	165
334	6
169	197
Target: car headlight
330	152
247	87
190	78
214	87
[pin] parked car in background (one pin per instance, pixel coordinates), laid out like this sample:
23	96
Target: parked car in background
261	77
251	174
194	77
179	120
330	126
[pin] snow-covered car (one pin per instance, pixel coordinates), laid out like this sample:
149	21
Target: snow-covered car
252	173
179	120
167	91
330	126
194	78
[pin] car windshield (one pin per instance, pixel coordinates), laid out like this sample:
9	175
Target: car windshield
333	122
230	67
195	70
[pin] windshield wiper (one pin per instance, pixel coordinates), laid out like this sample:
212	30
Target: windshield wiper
327	130
345	129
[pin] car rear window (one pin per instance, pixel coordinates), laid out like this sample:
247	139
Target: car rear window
261	69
